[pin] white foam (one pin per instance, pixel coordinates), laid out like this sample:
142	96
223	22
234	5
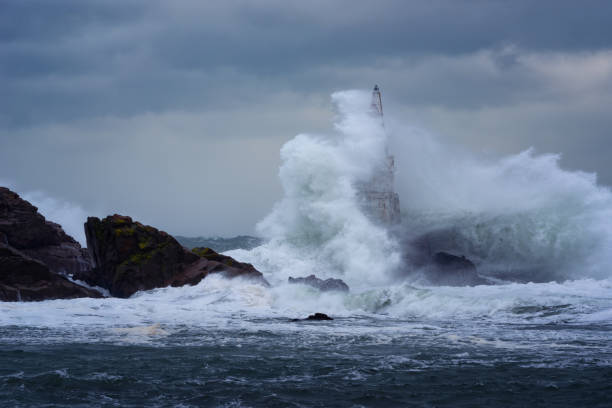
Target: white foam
219	302
522	212
318	226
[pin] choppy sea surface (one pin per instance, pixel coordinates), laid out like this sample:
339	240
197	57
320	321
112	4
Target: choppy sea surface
232	344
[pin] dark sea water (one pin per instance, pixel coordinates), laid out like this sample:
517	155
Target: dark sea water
360	361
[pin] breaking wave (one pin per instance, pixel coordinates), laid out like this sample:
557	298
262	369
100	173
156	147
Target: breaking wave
318	226
521	218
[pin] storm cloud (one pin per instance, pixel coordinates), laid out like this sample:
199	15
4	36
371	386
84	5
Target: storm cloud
174	111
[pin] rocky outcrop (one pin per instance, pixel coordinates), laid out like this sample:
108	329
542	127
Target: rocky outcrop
123	257
438	256
128	256
323	285
23	278
35	253
228	266
453	270
27	231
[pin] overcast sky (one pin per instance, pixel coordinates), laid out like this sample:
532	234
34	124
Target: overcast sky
174	112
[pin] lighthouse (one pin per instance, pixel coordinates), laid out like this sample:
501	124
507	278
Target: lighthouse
377	196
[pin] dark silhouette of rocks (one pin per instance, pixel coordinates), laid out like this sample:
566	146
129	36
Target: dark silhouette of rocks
123	257
35	253
128	256
27	231
319	316
432	254
323	285
228	266
453	270
23	278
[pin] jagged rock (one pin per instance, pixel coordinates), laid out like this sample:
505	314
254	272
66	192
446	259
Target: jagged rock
26	230
128	257
228	265
23	278
323	285
34	253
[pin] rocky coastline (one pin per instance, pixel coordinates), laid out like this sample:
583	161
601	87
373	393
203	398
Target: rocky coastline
39	261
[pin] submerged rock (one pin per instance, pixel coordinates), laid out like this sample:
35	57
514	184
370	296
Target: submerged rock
319	316
23	278
323	285
316	316
24	229
129	256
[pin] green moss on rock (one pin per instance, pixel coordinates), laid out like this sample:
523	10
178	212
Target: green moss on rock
201	252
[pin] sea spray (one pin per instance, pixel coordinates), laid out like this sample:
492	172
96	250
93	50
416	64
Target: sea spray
521	217
69	215
318	226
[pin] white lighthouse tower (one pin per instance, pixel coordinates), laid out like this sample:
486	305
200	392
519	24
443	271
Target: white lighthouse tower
377	196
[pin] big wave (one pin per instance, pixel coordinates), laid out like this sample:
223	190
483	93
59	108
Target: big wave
519	218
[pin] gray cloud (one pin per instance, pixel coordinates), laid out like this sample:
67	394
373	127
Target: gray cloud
91	58
146	107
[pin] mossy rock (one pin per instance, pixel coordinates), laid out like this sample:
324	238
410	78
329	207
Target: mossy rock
211	255
125	232
202	252
145	243
130	257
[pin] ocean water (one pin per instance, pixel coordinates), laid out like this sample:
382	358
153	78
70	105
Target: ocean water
231	343
539	336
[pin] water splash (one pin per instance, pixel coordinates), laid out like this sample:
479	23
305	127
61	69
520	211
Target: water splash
520	217
318	226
